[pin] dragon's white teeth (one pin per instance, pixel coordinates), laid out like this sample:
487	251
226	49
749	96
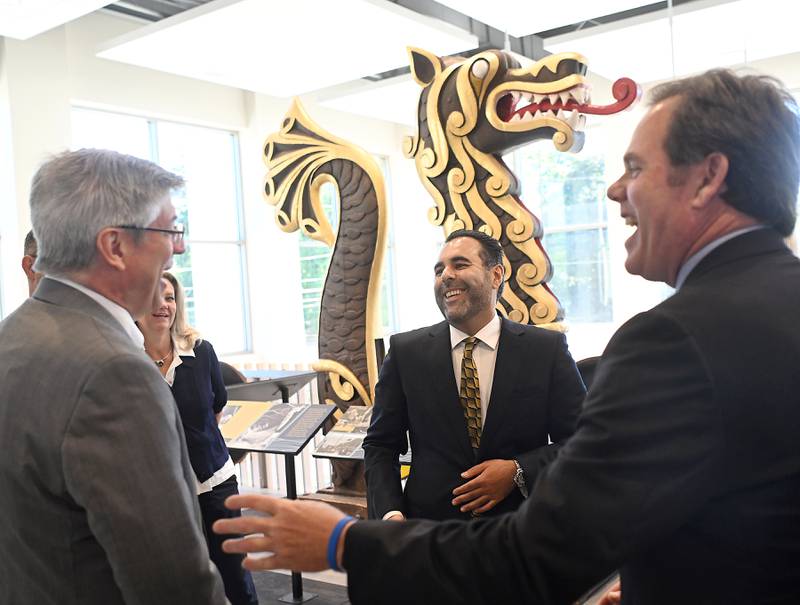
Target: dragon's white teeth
573	119
515	118
570	117
565	96
553	98
549	114
579	94
526	97
537	98
515	96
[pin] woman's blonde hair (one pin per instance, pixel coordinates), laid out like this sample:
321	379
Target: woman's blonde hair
182	333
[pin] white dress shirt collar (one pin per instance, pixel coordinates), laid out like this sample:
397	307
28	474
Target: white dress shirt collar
117	312
695	258
177	352
488	334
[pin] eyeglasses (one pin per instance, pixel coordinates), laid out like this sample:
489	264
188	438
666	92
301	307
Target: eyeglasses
176	233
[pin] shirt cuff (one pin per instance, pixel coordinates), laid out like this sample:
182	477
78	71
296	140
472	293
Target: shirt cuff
392	513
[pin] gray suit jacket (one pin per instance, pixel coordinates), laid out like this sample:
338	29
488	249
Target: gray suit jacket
96	491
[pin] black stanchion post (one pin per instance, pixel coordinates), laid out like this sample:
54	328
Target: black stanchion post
296	596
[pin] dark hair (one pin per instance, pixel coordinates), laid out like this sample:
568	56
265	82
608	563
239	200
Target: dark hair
30	248
491	251
753	121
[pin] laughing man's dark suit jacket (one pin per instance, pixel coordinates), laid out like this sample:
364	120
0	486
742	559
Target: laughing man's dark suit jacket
536	392
684	469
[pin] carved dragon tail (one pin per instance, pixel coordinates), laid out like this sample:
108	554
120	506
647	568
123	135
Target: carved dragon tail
301	158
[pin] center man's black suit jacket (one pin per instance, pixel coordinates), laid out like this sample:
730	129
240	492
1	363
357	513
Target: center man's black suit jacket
684	469
536	392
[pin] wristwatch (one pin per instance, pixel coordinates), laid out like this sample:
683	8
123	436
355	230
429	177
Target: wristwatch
519	480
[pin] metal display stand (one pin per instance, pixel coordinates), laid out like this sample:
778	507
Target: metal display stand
271	385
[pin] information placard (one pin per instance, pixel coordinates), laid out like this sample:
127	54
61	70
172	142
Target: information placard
272	426
345	439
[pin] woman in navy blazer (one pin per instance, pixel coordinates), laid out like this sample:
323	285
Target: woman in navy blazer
190	366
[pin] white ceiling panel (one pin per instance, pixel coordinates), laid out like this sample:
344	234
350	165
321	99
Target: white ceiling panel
285	48
23	19
394	100
523	18
656	48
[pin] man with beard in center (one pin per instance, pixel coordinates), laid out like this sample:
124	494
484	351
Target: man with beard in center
485	401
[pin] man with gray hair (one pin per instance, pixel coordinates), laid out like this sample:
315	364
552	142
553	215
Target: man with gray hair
684	471
96	488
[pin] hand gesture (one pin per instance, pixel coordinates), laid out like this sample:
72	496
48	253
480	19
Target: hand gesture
296	534
488	483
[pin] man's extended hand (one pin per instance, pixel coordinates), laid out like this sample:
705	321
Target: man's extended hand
297	533
613	596
488	484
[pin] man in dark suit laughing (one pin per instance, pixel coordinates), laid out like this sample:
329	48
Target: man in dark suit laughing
525	385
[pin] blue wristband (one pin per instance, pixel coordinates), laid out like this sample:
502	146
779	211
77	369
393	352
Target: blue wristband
333	541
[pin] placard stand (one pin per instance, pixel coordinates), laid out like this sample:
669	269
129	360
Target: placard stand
290	440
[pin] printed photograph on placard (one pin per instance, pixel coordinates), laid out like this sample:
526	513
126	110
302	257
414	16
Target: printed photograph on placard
341	445
355	420
268	426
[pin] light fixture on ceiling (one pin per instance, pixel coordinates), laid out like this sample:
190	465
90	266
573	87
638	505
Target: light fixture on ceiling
649	48
285	48
23	19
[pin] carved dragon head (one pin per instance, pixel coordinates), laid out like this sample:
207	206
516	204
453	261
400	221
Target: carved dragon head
473	110
547	99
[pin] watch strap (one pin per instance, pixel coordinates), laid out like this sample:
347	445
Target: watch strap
519	480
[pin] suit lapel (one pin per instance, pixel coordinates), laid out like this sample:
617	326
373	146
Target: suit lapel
506	370
439	362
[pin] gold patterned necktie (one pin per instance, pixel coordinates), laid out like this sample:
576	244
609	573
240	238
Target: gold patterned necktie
470	393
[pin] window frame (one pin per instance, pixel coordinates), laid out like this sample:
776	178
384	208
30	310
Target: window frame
236	164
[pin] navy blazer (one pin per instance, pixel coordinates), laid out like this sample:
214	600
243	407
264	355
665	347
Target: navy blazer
536	393
200	394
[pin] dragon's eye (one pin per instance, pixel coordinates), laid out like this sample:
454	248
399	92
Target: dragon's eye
480	68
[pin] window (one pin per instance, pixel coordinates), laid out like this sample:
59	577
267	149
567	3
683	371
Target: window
212	270
568	193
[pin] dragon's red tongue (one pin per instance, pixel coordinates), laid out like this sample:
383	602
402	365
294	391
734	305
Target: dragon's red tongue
625	91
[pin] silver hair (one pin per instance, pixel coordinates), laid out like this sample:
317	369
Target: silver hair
76	194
